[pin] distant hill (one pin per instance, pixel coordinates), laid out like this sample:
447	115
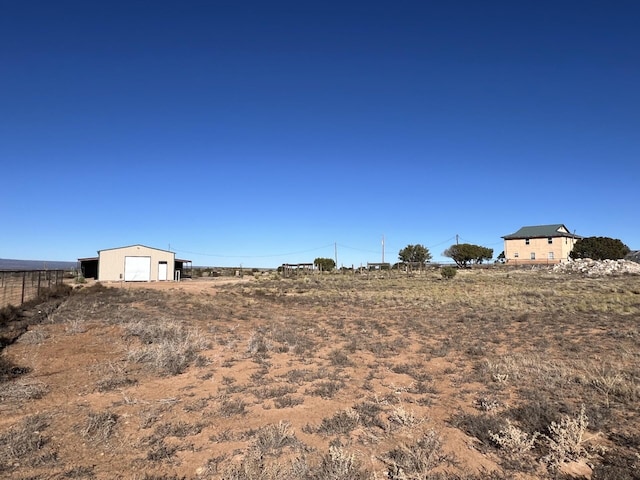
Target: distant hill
9	264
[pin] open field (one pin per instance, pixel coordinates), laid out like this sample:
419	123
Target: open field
491	374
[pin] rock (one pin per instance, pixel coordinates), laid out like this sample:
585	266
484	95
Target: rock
577	469
598	268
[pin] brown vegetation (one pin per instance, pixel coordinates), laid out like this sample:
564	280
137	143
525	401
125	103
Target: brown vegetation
491	374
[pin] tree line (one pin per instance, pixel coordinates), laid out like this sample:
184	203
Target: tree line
466	254
463	254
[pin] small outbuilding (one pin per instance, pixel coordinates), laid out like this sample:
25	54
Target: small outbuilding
135	263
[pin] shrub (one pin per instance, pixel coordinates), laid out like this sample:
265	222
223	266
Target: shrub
599	248
83	471
273	438
618	465
537	414
339	358
566	438
160	451
342	422
400	417
340	465
167	347
113	382
259	345
179	429
100	426
479	426
287	401
148	476
513	440
22	390
275	391
368	413
230	407
23	440
326	389
415	462
9	371
448	272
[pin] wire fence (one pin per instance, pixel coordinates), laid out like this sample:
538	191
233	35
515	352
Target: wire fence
19	286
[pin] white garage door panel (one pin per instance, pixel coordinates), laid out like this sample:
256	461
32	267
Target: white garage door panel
137	269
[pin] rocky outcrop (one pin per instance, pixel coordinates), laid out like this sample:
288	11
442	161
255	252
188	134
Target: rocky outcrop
598	268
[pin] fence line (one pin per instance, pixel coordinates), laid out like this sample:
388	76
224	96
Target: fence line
19	286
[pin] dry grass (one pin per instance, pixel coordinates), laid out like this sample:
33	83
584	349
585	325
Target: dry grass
21	390
25	444
418	460
166	346
99	426
333	377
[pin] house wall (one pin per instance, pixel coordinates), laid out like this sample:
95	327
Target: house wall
111	263
560	247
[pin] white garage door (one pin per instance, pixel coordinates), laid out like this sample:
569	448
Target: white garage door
137	269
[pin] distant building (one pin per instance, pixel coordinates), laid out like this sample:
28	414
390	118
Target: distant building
135	263
539	244
633	256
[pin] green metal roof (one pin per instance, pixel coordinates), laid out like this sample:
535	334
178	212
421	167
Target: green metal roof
540	231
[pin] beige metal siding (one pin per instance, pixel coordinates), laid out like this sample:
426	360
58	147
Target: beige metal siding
111	262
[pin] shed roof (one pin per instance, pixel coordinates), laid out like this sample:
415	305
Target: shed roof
136	245
89	259
540	231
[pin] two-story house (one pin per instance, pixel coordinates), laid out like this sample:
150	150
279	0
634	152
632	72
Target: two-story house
546	244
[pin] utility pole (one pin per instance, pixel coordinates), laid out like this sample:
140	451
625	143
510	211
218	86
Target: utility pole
335	252
382	248
456	239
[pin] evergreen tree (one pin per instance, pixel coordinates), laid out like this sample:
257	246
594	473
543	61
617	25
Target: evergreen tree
599	248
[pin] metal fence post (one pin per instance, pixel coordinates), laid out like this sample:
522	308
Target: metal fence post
24	279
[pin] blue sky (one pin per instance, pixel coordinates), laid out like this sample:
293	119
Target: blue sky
259	133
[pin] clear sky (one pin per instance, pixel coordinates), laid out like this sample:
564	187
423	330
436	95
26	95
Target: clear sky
264	132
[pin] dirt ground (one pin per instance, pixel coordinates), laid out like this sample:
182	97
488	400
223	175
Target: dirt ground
325	377
197	284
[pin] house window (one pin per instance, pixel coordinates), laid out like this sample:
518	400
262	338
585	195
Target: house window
533	255
515	255
550	257
526	241
550	240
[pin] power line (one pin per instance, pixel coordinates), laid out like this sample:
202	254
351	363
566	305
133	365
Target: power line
386	246
443	242
467	241
335	246
252	256
357	249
